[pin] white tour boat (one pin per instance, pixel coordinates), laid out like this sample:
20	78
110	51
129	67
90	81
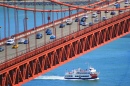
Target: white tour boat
79	73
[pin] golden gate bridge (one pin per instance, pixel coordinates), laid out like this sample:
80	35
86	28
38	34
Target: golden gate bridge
29	61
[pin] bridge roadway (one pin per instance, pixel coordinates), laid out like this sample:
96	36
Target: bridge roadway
59	32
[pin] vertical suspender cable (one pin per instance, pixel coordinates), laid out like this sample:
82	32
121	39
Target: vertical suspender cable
25	22
4	9
35	22
61	21
44	22
54	28
69	25
78	26
15	20
8	22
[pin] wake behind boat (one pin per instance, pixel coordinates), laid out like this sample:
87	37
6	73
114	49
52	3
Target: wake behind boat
79	73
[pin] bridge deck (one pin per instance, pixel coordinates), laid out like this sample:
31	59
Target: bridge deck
59	32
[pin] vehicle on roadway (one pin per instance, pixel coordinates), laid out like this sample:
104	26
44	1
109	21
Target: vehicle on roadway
80	23
84	24
96	20
77	19
83	19
26	41
126	2
85	16
1	49
90	23
69	21
120	10
10	41
94	15
104	18
98	12
112	13
21	41
39	35
52	37
61	25
15	46
48	32
106	11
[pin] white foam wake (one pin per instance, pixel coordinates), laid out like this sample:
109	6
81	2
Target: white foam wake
58	78
51	77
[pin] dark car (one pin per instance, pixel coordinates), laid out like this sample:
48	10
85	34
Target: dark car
48	30
120	10
113	13
80	23
98	12
77	20
106	11
83	19
90	23
52	37
39	36
1	49
61	26
118	6
26	41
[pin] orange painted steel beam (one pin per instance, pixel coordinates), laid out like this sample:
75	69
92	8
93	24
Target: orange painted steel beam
46	58
38	10
90	9
23	34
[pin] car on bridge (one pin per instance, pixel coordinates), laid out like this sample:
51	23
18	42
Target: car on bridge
84	24
69	21
96	20
126	2
112	13
120	10
80	23
15	46
104	18
77	19
26	41
98	12
1	49
10	41
85	16
90	23
94	15
61	25
83	19
52	37
106	11
21	41
39	35
48	32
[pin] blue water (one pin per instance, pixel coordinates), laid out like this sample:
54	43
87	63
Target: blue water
111	60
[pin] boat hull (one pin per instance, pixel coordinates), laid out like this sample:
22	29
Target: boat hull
80	78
